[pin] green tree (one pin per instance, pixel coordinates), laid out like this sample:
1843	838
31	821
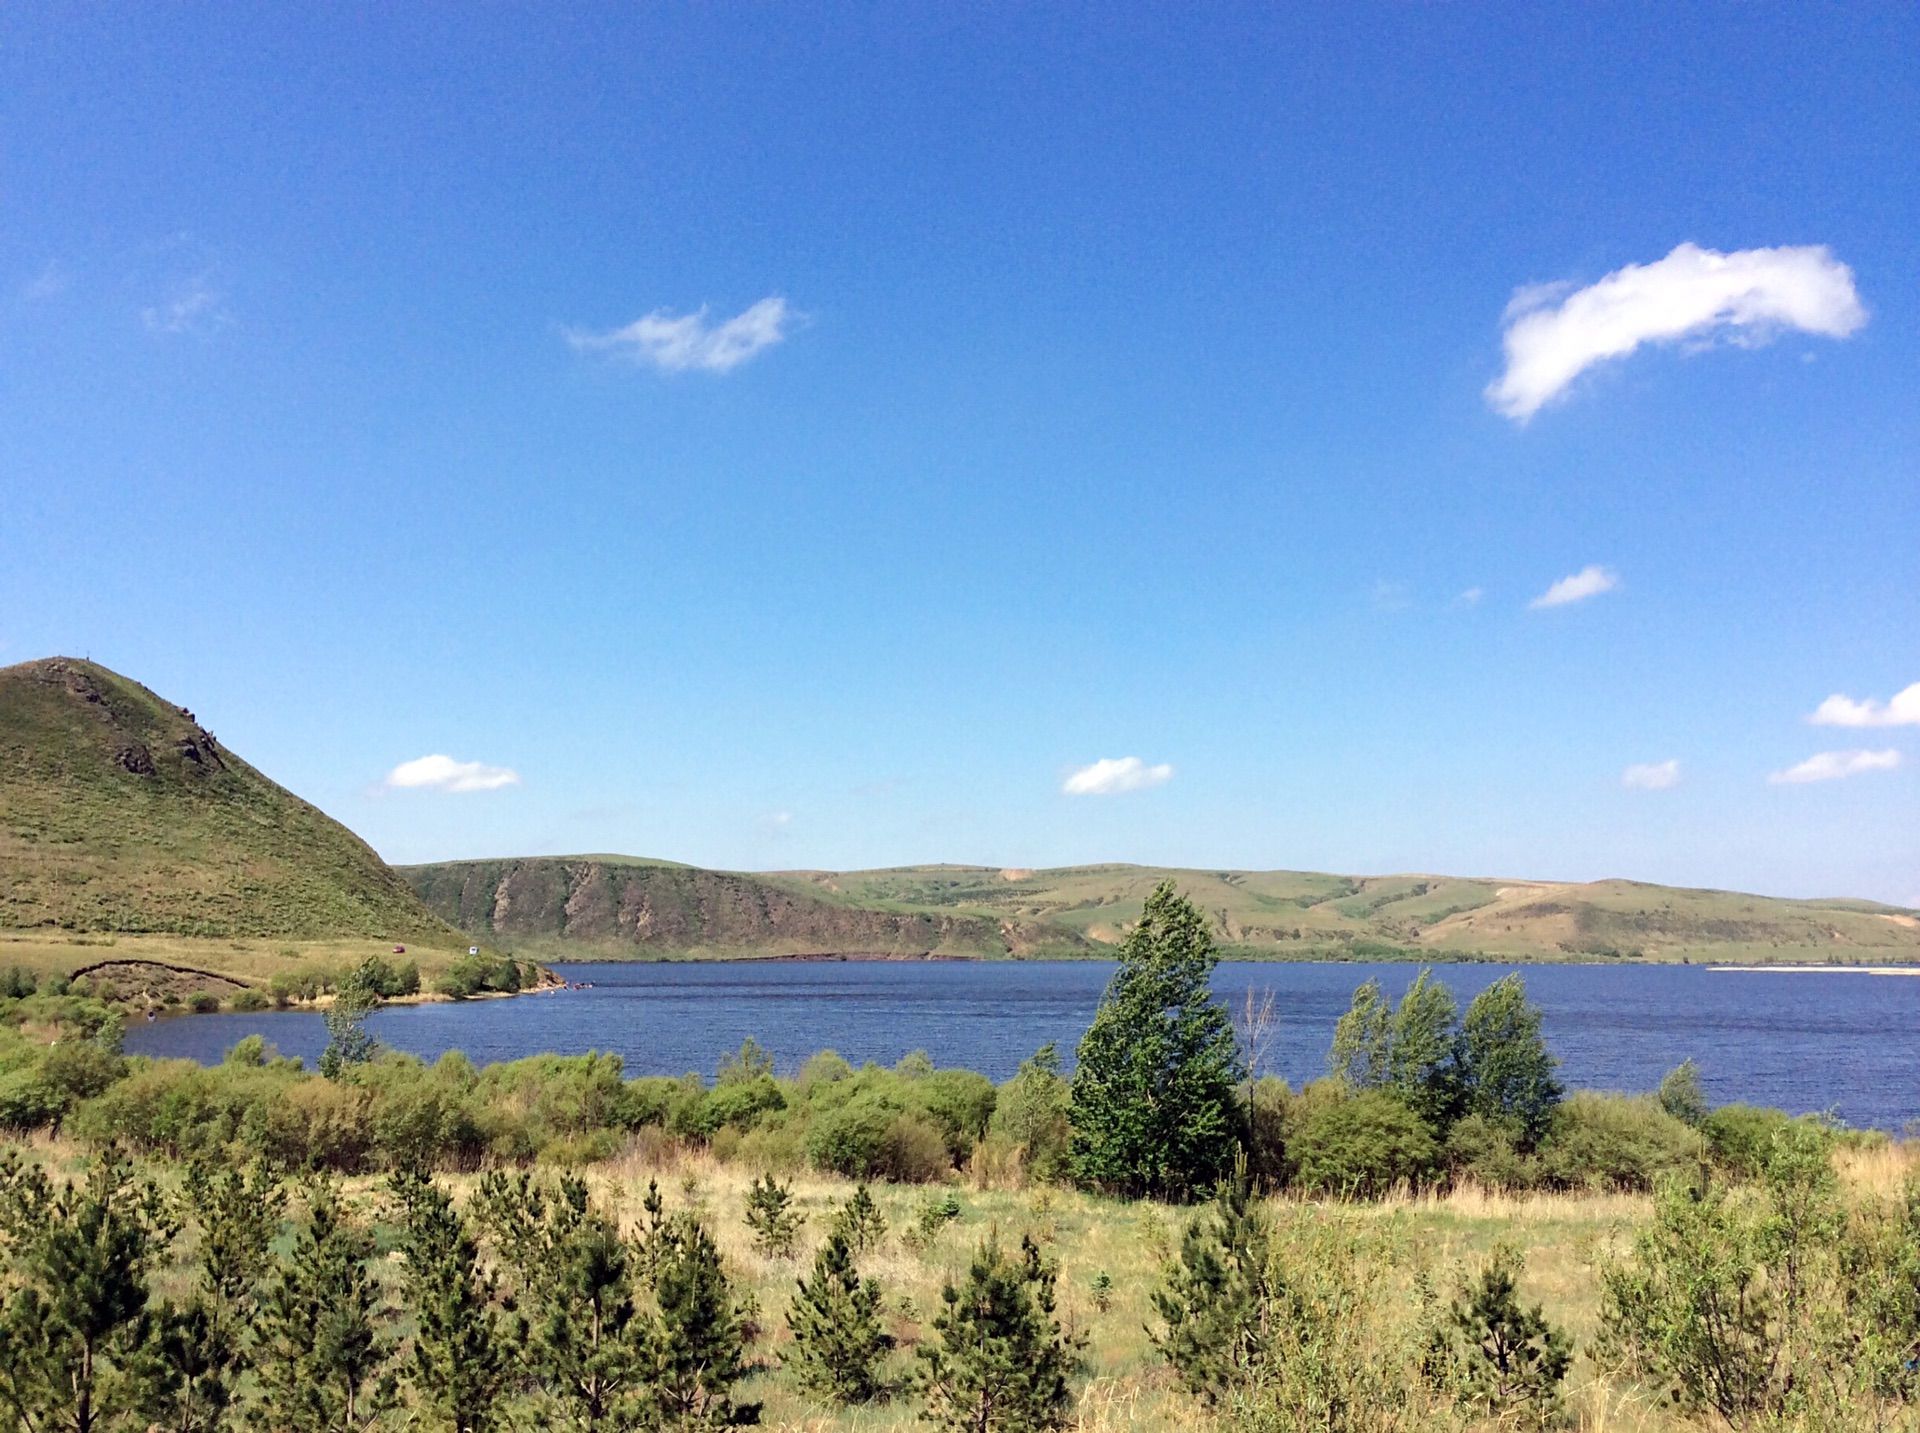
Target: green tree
1001	1362
835	1319
357	997
771	1216
1214	1300
1034	1111
1507	1070
1155	1095
202	1345
574	1277
698	1341
319	1352
461	1359
1411	1049
75	1328
1509	1359
1682	1095
860	1221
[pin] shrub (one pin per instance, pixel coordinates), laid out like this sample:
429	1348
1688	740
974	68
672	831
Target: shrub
203	1002
1742	1136
912	1151
1615	1142
1483	1152
1031	1112
848	1140
249	1000
1361	1145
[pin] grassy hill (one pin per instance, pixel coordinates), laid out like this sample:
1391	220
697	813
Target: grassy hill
120	813
600	905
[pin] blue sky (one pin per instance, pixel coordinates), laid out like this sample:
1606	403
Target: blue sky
1072	386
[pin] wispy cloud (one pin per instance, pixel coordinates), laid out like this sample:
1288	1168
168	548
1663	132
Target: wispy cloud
49	283
1587	582
1651	775
1838	710
1555	332
1110	776
191	305
443	773
682	342
1832	765
1391	596
1471	597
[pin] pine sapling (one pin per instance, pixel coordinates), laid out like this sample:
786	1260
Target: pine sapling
837	1336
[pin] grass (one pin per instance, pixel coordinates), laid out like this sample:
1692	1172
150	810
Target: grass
247	960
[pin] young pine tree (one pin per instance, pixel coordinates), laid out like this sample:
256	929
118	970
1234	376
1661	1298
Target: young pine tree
860	1221
1156	1105
461	1359
1510	1361
321	1358
1214	1302
698	1342
201	1345
835	1318
574	1279
1001	1362
772	1218
74	1331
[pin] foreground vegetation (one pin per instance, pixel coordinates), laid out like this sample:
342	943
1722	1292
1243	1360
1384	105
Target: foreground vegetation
1434	1236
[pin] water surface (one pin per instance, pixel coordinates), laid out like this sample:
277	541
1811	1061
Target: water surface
1844	1043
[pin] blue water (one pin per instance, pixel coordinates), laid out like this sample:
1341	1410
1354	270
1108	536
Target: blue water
1848	1044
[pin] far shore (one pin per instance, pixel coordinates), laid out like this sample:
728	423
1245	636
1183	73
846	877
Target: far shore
1818	969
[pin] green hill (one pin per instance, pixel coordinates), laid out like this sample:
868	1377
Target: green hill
119	812
600	905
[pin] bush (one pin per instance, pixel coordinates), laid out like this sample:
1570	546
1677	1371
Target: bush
1742	1136
848	1140
203	1002
1601	1141
1361	1145
1031	1113
1483	1152
912	1151
249	1000
1682	1096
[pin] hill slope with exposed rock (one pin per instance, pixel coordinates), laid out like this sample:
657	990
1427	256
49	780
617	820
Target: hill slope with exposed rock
612	906
586	907
119	812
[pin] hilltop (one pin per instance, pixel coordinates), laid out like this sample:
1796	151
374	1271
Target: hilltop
120	813
621	907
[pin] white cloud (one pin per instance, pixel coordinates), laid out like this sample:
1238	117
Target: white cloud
1651	775
443	773
1587	582
49	283
1553	335
191	306
1471	597
1838	710
1114	774
1832	765
675	344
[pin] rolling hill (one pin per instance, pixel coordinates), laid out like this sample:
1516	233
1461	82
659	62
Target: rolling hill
597	906
120	813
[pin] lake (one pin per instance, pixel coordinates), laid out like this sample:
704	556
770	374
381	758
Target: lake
1844	1042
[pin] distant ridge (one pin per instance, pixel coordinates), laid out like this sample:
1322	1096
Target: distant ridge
626	907
119	812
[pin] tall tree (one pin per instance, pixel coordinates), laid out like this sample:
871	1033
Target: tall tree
1506	1068
835	1318
1155	1095
1001	1362
357	997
